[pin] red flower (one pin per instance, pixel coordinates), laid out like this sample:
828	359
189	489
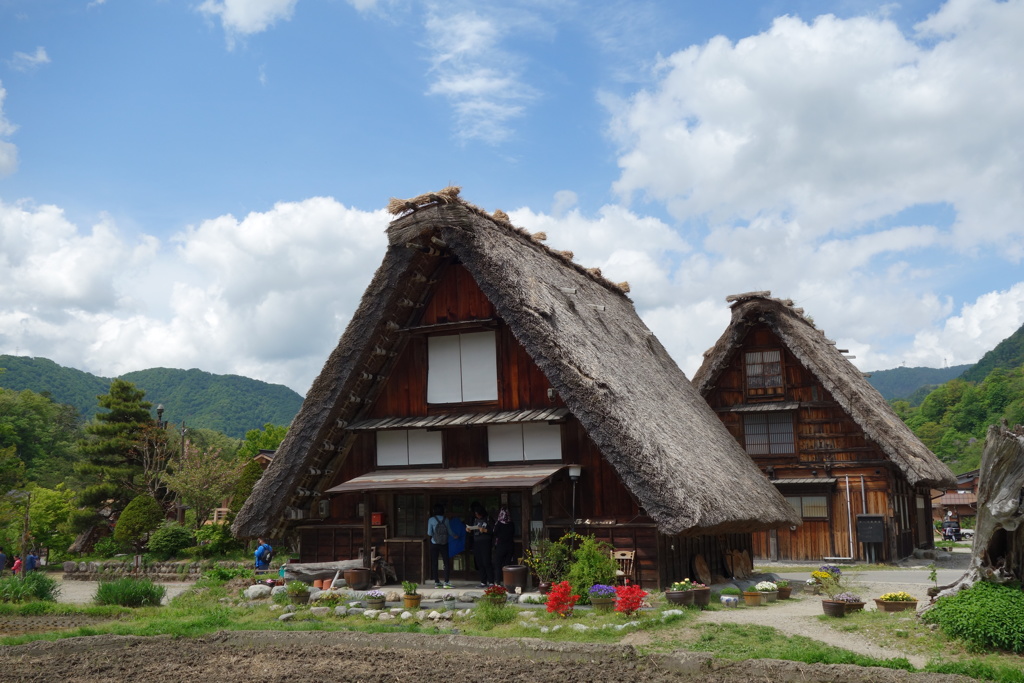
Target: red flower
561	600
631	599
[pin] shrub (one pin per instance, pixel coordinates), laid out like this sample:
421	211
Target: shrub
592	563
561	599
34	586
169	540
986	615
225	574
631	599
129	592
489	614
215	540
139	518
108	547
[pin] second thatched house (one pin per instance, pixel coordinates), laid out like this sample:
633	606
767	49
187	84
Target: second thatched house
482	366
857	475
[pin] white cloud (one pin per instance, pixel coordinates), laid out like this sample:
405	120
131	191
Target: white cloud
248	16
837	123
482	80
266	296
22	61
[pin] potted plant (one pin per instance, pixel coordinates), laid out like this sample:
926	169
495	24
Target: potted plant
680	592
602	597
411	599
896	602
496	595
547	561
785	590
753	598
769	589
701	594
298	592
730	596
374	599
851	602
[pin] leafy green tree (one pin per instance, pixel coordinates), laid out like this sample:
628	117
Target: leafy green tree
138	519
202	480
112	453
268	438
12	469
50	515
44	434
251	474
170	539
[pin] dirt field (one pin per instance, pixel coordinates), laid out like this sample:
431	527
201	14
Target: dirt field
310	656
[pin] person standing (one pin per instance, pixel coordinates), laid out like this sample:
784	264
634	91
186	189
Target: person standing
439	531
263	554
31	561
483	545
504	541
17	564
3	561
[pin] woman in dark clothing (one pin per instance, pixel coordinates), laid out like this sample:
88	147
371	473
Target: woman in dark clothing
483	545
504	538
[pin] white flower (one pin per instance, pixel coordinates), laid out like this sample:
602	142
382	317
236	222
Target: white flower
766	587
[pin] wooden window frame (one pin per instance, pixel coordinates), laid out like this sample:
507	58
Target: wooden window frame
771	423
754	383
801	496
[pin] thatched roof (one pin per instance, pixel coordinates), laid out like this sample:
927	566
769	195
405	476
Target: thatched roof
837	374
667	446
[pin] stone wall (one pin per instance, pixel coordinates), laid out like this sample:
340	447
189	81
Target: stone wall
157	571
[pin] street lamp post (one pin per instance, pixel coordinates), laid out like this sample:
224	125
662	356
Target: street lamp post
574	474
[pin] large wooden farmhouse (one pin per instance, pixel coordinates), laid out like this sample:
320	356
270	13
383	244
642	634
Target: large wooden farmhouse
860	479
482	366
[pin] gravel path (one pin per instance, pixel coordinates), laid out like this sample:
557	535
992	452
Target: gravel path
799	615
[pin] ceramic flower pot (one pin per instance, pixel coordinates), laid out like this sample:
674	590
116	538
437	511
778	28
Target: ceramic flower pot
833	608
411	601
701	597
543	587
730	600
753	598
854	607
771	596
680	597
784	593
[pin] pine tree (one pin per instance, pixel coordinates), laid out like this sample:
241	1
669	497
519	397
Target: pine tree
113	450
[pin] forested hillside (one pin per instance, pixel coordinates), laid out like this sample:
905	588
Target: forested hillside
226	403
1009	353
906	382
953	419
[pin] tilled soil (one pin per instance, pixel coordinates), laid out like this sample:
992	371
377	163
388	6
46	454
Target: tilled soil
343	656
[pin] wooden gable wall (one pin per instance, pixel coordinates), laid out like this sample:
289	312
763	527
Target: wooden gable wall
828	443
458	299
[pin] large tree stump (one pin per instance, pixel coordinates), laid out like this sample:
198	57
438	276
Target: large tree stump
997	555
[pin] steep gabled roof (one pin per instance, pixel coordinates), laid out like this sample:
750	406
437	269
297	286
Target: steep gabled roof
668	447
837	374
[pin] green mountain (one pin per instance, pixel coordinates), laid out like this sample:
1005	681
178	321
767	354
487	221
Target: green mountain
1008	354
227	403
904	383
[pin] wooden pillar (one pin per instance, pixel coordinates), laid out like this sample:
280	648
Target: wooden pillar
367	529
526	533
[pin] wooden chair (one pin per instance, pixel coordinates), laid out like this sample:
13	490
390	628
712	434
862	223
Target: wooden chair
624	560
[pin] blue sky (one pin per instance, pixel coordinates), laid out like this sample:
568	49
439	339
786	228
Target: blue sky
200	184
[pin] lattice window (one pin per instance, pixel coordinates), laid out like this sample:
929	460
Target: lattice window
809	507
410	515
764	373
769	433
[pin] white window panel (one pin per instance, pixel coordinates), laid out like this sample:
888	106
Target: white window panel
505	443
392	448
444	370
462	368
542	441
424	447
479	366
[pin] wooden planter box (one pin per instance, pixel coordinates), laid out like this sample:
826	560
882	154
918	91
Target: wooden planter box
753	598
895	605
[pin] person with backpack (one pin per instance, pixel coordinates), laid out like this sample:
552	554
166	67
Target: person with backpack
439	531
264	554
